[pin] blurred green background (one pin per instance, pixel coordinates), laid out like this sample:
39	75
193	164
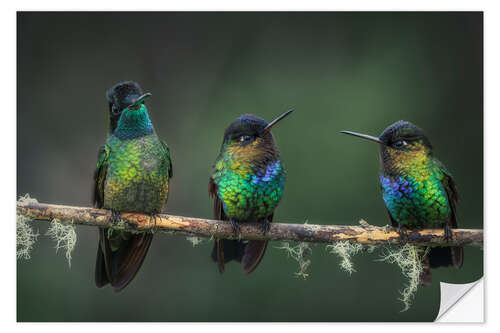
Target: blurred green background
355	71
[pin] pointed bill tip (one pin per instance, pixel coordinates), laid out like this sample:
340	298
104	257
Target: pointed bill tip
363	136
277	120
141	99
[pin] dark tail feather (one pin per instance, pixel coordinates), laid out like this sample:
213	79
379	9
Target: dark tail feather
441	257
446	256
102	273
119	267
101	278
458	256
426	275
132	261
226	250
254	251
249	254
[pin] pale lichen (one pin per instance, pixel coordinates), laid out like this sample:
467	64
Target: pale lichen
65	237
364	224
387	228
298	253
26	199
195	241
345	250
25	235
409	259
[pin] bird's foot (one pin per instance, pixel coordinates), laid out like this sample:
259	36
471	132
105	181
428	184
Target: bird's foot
448	234
236	227
115	217
265	226
153	220
403	232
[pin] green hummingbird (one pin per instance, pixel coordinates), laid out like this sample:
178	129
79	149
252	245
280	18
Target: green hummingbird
247	183
418	191
132	175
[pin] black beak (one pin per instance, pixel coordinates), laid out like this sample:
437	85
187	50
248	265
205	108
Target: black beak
141	99
275	121
363	136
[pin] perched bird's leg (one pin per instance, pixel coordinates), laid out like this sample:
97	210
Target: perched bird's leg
265	226
403	232
448	234
115	217
152	219
236	227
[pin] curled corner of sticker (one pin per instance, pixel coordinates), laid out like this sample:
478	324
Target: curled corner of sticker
461	303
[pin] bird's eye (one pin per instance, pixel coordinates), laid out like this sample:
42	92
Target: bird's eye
245	138
400	144
115	110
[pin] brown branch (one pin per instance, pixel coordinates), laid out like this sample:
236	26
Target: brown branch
364	233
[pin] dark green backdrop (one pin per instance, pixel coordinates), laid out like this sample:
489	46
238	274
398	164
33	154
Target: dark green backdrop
357	71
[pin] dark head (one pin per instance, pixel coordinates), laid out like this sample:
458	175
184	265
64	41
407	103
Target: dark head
402	145
249	135
123	95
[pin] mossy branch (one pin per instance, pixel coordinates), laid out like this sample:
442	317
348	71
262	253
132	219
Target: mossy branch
363	234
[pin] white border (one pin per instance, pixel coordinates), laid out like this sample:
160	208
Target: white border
8	136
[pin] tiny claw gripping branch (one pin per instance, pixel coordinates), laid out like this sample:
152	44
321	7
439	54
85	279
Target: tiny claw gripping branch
403	232
236	227
265	226
115	217
153	220
448	234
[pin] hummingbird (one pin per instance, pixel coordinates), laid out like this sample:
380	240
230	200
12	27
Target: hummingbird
247	184
418	190
132	175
